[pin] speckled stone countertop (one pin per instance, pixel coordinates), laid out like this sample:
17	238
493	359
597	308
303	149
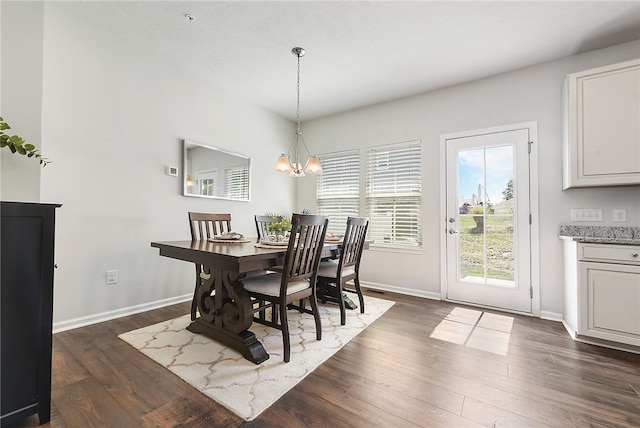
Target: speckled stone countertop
621	235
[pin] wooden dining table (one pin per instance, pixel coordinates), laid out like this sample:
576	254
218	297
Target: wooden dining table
225	310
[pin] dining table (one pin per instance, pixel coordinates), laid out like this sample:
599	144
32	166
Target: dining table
225	310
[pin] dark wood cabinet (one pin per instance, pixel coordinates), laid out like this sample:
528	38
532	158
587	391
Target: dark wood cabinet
26	307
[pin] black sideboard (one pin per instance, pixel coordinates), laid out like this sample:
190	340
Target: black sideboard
26	308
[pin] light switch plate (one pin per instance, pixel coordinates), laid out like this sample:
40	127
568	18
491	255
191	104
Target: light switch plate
583	214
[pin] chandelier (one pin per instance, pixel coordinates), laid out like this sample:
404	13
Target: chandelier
290	161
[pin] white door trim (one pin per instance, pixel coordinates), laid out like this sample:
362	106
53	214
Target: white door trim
532	127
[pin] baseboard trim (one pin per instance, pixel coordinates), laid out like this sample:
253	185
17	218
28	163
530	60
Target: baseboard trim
400	290
571	331
136	309
551	316
110	315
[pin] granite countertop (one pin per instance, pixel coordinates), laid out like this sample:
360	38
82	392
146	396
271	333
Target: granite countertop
621	235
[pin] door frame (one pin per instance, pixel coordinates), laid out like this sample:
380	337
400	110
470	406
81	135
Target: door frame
534	230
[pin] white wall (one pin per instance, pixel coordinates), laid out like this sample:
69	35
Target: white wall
530	94
21	52
112	118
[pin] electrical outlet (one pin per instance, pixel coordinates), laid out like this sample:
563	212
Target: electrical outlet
620	215
112	277
593	214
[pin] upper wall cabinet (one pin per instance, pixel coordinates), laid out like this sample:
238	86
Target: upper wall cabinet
602	126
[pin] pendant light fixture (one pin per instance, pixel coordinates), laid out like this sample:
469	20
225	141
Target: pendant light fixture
290	162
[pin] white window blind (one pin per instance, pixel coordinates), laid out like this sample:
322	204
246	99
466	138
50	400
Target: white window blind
394	194
236	182
338	189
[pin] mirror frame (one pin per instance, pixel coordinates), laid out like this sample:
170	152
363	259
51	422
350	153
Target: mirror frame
187	144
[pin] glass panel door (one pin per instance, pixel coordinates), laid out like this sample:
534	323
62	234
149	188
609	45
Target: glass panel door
488	241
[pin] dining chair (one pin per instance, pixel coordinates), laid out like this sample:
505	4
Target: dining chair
204	226
294	281
332	276
262	221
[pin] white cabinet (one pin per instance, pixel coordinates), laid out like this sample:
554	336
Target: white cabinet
602	126
602	292
610	302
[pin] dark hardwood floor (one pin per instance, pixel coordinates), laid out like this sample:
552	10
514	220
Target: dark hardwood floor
500	370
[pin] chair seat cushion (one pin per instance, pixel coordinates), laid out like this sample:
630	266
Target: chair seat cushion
330	270
269	284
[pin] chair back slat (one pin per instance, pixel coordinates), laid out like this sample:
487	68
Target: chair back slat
262	222
205	225
305	248
353	242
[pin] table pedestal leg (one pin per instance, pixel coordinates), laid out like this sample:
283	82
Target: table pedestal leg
244	342
226	313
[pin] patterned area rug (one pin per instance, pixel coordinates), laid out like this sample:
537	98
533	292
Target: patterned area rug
241	386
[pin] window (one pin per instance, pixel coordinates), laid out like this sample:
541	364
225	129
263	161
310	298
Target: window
236	182
338	188
393	190
394	194
206	186
206	180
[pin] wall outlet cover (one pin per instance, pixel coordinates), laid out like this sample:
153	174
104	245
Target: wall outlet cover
112	277
620	215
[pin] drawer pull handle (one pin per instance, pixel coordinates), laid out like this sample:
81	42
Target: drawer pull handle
634	255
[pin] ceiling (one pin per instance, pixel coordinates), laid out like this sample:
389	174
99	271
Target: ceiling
361	52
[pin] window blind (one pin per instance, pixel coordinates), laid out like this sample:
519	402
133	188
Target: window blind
338	189
236	182
394	194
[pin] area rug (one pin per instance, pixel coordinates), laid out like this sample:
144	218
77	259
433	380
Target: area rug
241	386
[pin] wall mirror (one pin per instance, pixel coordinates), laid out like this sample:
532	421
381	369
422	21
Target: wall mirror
208	172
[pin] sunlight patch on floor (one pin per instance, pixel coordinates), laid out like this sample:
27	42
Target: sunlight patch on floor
476	329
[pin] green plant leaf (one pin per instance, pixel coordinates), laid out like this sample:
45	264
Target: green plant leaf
18	144
16	141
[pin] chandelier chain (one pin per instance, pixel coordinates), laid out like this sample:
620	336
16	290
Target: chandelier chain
298	92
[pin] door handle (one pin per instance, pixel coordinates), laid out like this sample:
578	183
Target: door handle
452	231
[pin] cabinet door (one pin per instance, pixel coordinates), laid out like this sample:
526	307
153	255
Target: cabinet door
609	297
26	306
20	315
603	126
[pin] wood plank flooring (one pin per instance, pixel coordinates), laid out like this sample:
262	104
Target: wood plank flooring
480	368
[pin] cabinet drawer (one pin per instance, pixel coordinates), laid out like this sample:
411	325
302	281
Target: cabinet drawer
622	254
